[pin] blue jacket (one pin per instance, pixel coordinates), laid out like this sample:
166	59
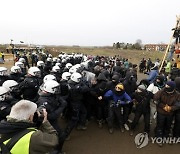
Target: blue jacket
152	75
123	99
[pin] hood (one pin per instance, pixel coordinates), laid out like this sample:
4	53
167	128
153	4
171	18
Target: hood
144	82
130	78
116	78
161	82
13	127
106	73
177	81
102	86
101	77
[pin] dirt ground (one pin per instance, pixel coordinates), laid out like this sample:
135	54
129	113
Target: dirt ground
98	141
8	61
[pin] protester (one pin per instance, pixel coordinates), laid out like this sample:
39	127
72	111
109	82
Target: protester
149	63
153	88
116	98
176	130
1	58
141	107
166	100
152	74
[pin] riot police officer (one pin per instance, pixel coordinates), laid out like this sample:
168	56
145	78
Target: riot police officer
16	74
3	75
54	105
6	102
30	86
79	112
13	88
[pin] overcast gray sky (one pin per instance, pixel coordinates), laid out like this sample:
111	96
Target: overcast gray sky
87	22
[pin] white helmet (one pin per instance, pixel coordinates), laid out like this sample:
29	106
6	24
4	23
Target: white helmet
22	60
51	86
10	84
20	64
76	77
3	92
66	76
34	53
63	60
15	69
54	59
3	71
58	64
49	77
49	59
68	65
60	55
58	60
77	66
40	63
50	56
56	69
34	71
72	70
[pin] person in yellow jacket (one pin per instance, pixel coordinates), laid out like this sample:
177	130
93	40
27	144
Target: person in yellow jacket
1	57
168	68
20	135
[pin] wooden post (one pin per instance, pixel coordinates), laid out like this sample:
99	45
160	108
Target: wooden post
167	49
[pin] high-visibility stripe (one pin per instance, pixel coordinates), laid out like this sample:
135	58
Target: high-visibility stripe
22	145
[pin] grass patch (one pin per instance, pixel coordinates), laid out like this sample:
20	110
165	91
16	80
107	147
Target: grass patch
134	56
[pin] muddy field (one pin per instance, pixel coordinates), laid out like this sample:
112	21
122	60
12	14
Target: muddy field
98	141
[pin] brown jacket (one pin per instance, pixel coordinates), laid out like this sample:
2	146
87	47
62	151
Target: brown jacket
43	140
164	98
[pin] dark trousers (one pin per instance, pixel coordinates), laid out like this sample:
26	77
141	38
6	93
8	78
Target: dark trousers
32	62
79	114
148	68
114	111
126	111
177	40
176	129
138	115
61	135
164	123
101	110
90	105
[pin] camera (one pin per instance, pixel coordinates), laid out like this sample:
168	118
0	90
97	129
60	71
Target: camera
39	119
40	109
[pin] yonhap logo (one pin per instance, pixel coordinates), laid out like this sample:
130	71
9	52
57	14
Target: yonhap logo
141	140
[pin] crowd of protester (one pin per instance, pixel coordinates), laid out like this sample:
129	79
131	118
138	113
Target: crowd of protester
81	88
